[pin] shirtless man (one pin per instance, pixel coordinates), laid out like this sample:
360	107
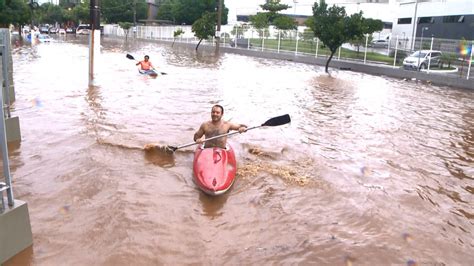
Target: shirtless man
215	127
145	64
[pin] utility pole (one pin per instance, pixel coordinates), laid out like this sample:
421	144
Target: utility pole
218	30
134	13
413	36
94	36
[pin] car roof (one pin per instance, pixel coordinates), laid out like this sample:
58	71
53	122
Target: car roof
428	51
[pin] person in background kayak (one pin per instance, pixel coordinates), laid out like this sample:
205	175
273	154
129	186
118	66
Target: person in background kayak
145	64
215	127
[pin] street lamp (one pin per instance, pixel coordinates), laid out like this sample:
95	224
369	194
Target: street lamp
421	45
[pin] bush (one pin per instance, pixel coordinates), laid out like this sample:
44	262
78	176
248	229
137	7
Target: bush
401	54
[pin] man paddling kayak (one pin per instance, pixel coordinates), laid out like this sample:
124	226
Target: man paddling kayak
216	127
146	66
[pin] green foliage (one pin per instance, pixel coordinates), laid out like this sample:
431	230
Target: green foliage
307	35
178	32
401	54
113	11
125	25
50	13
260	23
448	58
188	11
165	10
204	27
14	12
284	23
273	7
334	28
81	12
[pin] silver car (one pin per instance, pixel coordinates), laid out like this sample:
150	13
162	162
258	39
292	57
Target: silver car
421	59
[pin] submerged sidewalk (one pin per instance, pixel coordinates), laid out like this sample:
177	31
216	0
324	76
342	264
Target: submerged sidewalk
439	79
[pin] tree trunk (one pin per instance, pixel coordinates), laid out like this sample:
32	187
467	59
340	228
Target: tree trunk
197	46
329	60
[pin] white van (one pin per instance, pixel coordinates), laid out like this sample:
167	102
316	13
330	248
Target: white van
421	59
83	29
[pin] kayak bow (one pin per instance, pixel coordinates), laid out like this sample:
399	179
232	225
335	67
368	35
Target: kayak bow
214	169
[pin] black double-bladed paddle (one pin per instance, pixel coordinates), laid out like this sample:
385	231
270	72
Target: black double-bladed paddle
129	56
272	122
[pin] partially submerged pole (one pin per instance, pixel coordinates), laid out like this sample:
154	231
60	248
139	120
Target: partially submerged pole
94	37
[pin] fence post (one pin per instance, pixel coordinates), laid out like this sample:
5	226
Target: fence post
248	41
317	47
388	45
470	62
296	49
395	54
366	42
429	59
279	40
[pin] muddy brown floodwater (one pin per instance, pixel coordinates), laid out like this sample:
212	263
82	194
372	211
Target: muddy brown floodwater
371	171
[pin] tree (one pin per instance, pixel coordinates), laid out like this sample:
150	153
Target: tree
188	11
284	23
334	28
176	34
165	11
126	27
273	7
260	22
50	13
204	27
14	12
81	12
114	11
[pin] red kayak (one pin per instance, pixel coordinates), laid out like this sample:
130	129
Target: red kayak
214	169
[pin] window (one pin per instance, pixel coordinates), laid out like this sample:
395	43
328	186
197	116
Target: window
426	20
404	21
453	19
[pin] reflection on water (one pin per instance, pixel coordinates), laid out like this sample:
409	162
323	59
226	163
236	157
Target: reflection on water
371	170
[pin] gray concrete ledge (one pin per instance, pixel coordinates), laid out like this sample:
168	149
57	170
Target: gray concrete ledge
440	79
12	126
15	230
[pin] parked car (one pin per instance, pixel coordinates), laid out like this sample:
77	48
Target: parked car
83	29
44	29
421	59
44	38
62	31
53	30
379	44
70	30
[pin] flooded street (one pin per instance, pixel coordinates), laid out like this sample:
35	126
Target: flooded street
371	170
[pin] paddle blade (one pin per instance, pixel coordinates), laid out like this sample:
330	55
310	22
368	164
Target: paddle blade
164	73
129	56
277	121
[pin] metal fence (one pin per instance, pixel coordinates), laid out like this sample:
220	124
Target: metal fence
455	58
5	81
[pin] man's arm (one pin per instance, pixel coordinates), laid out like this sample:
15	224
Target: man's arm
239	127
198	135
137	63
